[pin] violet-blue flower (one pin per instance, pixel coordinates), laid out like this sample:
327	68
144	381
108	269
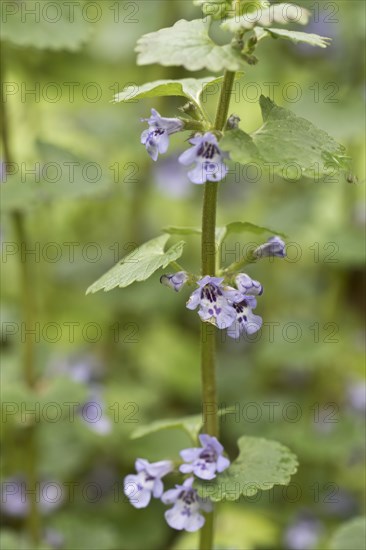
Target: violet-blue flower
273	247
139	488
247	285
208	158
156	138
175	281
205	461
215	301
185	514
246	321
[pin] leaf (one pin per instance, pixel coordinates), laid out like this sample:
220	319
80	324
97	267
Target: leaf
54	26
225	231
261	464
247	227
59	176
351	534
190	424
275	13
173	230
296	36
217	9
188	43
23	196
289	145
139	265
191	88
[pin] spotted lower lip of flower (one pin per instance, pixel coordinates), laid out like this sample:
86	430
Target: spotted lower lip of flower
245	322
273	247
186	512
208	158
175	281
139	488
156	138
215	301
206	460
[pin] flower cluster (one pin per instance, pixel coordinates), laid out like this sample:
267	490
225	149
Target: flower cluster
224	306
227	307
185	514
205	153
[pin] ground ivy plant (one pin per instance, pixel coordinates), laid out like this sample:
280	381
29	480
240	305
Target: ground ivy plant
224	296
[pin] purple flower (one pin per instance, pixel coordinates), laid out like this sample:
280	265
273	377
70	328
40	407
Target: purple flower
246	321
208	158
156	138
215	301
273	247
15	496
139	488
175	281
93	413
246	285
185	513
356	396
206	460
303	534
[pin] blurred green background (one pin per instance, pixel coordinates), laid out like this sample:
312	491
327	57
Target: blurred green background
135	352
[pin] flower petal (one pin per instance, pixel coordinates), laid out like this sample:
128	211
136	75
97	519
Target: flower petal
194	522
175	518
186	468
188	157
194	299
159	469
158	488
171	495
163	143
198	174
205	470
222	463
190	454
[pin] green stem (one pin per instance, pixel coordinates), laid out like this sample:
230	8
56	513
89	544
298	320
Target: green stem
224	101
26	299
208	332
30	443
238	266
27	291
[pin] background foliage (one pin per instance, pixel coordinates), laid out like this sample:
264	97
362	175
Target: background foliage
136	351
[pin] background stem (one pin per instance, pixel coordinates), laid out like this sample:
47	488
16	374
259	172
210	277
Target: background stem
27	291
208	332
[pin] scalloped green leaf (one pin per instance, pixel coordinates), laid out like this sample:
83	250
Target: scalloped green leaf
139	265
261	464
54	27
16	195
226	230
188	43
289	145
266	14
190	424
296	37
217	9
174	230
59	175
190	88
248	227
351	534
